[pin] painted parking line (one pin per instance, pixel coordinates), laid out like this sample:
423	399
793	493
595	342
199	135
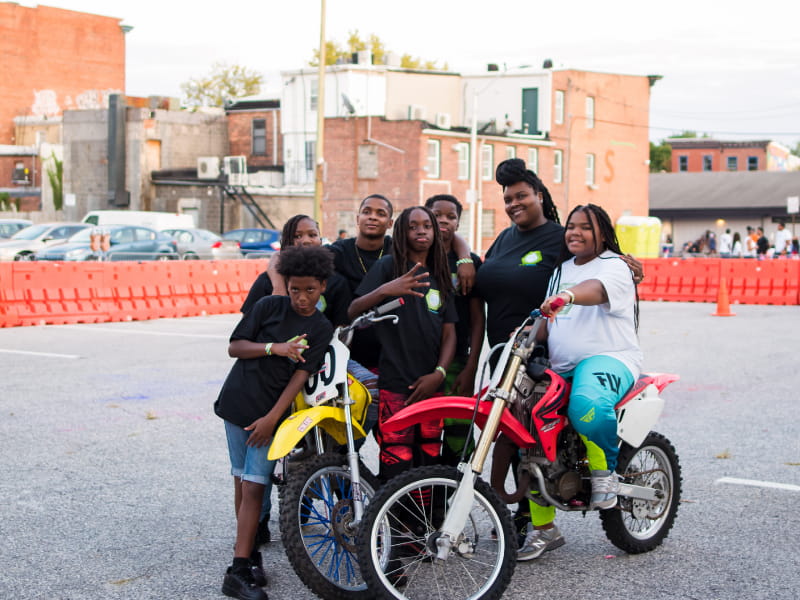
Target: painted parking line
127	330
763	484
43	354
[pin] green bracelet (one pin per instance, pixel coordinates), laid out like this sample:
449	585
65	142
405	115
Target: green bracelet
268	349
441	370
463	261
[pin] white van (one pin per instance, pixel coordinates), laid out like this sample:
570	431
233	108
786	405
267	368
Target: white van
147	218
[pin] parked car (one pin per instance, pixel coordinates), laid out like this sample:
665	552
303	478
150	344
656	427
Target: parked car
9	227
128	242
25	242
254	240
201	243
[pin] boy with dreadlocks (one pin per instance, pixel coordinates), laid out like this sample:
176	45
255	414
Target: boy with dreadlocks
415	353
592	341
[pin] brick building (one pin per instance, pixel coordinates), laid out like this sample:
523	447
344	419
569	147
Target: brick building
697	155
52	60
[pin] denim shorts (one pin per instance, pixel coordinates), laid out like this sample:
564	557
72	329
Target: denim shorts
247	462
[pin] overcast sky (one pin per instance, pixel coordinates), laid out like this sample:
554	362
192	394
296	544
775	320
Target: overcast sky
731	69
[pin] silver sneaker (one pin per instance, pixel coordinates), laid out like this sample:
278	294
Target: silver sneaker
539	541
605	486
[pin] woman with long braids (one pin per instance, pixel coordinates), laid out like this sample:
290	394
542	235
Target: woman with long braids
415	353
592	341
518	265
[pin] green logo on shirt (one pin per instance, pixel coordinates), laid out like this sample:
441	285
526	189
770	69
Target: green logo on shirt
433	300
531	258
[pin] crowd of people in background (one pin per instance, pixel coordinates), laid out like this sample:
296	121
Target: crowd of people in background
755	244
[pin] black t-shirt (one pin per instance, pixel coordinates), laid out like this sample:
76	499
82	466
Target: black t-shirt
513	279
254	385
352	263
411	348
333	303
762	245
463	325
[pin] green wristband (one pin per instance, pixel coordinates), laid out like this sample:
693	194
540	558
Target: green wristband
442	370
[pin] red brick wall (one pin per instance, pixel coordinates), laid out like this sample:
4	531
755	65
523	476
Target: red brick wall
53	60
399	173
240	127
619	141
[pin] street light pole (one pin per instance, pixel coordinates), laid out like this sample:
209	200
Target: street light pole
319	159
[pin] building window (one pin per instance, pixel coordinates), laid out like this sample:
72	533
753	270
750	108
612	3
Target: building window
589	112
511	152
590	170
487	223
558	158
533	159
708	163
463	160
559	108
259	136
313	95
487	162
311	149
752	163
733	163
432	163
683	163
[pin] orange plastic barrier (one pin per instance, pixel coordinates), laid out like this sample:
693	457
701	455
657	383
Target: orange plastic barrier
750	281
33	293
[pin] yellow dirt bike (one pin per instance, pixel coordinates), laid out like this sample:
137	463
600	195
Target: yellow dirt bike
322	502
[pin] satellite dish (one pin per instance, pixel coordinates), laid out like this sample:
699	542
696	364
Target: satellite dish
348	105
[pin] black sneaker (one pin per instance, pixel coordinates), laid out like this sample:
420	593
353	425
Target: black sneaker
257	569
262	534
240	584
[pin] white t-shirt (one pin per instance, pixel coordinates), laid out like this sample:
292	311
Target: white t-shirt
579	332
725	241
783	241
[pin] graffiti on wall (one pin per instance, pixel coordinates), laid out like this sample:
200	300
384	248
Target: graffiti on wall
45	102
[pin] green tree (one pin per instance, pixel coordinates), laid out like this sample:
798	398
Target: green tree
796	149
660	157
336	53
55	174
223	84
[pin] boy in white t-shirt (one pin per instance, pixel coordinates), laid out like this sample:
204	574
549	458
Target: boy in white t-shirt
592	341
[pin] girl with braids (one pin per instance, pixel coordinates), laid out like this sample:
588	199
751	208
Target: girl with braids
592	340
415	353
514	276
302	230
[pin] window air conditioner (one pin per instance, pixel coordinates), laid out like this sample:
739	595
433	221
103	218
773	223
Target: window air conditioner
235	167
208	167
416	112
443	120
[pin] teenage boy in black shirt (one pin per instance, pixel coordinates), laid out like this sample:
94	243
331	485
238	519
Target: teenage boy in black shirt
470	329
278	343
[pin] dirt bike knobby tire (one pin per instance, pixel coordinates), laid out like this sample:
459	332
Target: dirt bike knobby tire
658	456
331	466
488	513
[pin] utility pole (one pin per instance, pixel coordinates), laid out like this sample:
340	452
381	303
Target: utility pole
319	166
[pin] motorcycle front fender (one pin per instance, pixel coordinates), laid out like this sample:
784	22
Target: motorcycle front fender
459	407
297	425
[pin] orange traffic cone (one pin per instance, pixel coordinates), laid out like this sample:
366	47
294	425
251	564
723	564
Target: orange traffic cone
723	306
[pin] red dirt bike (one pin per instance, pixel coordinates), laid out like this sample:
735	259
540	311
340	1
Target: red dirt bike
442	532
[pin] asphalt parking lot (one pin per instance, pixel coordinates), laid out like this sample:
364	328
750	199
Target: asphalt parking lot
114	479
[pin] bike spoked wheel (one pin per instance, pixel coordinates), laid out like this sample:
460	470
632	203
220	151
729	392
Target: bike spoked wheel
397	540
316	515
637	526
